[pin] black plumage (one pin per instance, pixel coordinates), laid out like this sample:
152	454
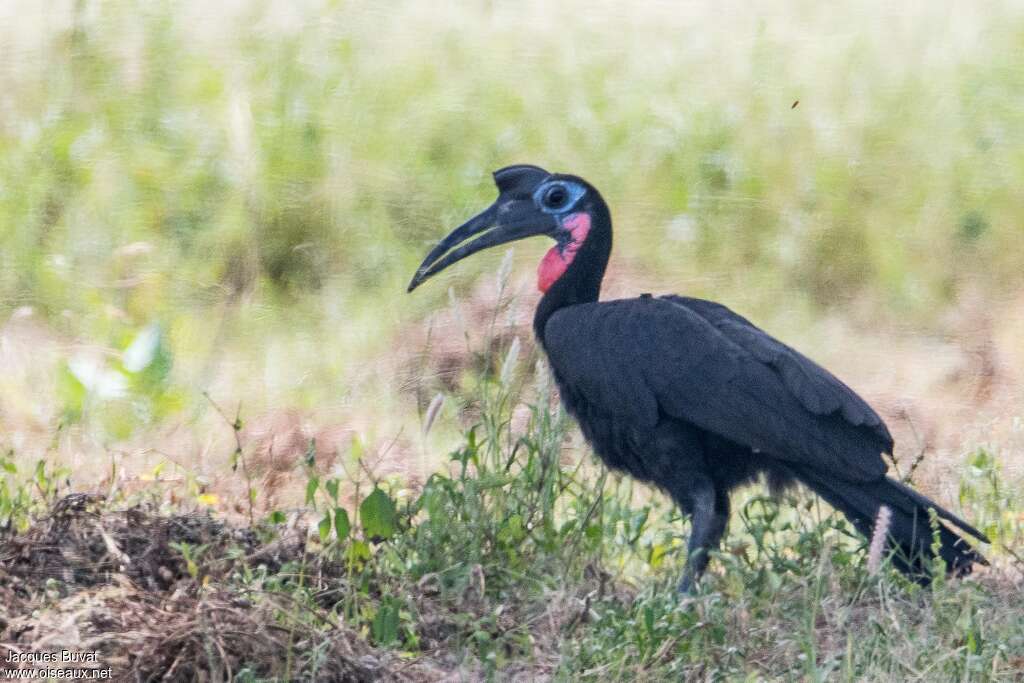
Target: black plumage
688	395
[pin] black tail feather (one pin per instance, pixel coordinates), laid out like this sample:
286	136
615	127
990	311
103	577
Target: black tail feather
910	530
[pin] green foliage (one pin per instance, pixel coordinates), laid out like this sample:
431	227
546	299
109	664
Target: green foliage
378	516
995	502
121	396
510	524
254	182
516	555
385	623
191	555
24	494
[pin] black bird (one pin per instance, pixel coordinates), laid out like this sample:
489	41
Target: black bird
689	396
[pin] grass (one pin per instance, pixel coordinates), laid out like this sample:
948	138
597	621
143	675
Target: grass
208	216
513	562
261	188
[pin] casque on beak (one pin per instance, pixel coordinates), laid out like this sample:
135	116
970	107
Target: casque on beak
513	216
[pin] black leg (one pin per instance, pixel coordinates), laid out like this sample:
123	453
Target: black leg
675	458
709	511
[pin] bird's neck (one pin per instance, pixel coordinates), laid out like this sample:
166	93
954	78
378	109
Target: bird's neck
581	281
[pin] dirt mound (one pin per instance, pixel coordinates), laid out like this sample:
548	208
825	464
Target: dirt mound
78	546
151	595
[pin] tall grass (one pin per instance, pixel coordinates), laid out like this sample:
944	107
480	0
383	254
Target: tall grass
260	178
317	145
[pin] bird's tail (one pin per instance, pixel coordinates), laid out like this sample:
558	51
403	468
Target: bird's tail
910	529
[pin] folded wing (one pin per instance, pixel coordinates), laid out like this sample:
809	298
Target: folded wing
699	362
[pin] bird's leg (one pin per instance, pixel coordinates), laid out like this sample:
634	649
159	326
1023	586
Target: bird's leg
679	463
709	514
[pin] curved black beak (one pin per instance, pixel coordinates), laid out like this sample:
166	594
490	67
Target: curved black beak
504	221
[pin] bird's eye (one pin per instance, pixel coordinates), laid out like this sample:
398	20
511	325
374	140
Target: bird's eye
556	196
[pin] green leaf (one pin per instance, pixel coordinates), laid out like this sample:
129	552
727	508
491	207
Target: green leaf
148	362
341	523
324	528
356	449
332	488
311	486
142	351
636	524
657	555
71	394
385	622
358	551
513	531
649	619
378	515
40	474
276	517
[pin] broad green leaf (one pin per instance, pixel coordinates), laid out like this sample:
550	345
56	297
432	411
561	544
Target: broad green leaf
378	515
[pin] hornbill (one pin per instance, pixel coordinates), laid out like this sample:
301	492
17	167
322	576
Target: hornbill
687	395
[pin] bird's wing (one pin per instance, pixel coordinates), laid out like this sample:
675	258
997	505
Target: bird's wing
698	361
816	388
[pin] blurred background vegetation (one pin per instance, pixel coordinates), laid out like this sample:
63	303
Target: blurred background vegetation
230	197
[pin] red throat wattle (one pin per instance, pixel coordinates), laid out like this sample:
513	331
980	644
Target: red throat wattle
558	258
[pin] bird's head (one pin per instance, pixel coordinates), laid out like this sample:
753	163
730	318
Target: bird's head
531	201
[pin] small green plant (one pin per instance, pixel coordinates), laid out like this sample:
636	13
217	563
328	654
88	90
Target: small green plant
23	495
191	555
16	499
995	503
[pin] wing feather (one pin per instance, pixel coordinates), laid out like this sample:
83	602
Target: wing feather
818	389
697	361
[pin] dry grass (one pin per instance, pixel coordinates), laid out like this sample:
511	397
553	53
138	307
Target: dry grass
89	579
943	395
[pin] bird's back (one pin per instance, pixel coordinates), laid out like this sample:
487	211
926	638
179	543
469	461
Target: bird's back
636	362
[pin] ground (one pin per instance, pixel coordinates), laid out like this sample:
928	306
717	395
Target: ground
521	559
